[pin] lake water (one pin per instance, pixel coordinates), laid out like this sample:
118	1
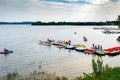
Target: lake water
29	55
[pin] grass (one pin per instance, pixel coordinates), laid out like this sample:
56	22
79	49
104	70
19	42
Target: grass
101	72
34	76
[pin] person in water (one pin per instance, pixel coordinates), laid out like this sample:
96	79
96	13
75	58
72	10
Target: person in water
75	32
5	50
84	38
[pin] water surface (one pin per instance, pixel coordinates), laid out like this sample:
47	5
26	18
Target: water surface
29	55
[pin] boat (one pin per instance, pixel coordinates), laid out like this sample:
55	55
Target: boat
100	52
69	47
99	28
77	45
110	28
89	51
6	52
112	51
79	49
108	31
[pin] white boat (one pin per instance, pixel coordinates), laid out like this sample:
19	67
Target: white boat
79	49
69	47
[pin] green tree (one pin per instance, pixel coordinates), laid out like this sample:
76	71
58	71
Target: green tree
97	66
118	21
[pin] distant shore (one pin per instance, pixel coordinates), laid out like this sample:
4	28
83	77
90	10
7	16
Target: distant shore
75	23
62	23
15	23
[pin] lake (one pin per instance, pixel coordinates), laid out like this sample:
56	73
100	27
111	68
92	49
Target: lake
29	55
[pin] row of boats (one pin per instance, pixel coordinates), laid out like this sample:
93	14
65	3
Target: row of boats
82	48
108	30
102	28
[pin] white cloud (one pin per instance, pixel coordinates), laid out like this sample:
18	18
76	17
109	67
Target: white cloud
99	1
34	10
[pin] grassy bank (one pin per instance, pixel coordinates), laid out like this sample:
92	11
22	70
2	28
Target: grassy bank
100	72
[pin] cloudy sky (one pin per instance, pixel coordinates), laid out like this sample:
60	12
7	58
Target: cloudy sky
59	10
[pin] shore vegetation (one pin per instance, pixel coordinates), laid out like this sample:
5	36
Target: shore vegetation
100	72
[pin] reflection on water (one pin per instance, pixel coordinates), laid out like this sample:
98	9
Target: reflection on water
29	55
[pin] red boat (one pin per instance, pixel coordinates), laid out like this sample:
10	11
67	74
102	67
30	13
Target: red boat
112	51
89	51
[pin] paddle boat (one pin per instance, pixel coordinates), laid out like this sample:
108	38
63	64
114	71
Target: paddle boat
70	47
79	49
77	45
91	51
112	51
99	52
6	51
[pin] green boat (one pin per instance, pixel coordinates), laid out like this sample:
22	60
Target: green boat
100	53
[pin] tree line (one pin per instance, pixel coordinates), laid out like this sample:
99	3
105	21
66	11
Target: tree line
75	23
116	22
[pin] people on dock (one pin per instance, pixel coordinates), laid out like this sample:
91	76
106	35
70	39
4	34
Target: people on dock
97	47
69	42
101	48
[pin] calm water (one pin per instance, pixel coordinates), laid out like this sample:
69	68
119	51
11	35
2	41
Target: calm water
29	55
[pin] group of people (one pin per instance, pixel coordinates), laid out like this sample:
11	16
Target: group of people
68	42
63	43
97	47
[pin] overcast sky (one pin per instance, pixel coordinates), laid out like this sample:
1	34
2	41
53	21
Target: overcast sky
59	10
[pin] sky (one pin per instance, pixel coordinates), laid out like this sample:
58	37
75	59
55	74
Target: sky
59	10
